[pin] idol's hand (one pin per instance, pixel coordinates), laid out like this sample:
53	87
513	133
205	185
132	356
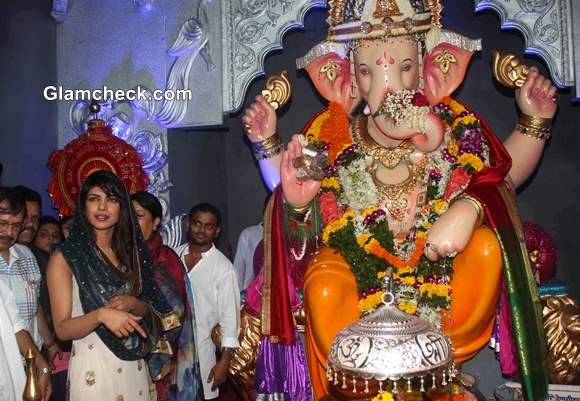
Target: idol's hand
120	323
297	193
260	120
451	232
537	97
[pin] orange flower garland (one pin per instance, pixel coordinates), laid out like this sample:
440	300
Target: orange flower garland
361	231
373	247
335	132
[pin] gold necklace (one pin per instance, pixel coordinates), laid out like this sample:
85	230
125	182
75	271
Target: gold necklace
396	194
389	157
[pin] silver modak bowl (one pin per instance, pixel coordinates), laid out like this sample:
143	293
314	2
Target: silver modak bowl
390	345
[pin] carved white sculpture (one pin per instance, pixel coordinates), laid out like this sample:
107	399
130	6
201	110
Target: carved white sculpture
551	29
254	28
232	37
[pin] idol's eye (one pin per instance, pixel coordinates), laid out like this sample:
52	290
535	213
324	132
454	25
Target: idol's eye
363	70
407	67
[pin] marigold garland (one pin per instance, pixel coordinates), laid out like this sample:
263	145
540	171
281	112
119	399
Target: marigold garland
383	396
374	248
362	234
408	307
335	131
470	160
371	301
336	225
330	183
465	120
314	126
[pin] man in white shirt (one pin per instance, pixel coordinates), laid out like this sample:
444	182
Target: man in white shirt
18	267
216	296
14	328
248	240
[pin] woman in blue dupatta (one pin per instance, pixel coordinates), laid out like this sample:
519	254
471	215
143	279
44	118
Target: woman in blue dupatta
104	298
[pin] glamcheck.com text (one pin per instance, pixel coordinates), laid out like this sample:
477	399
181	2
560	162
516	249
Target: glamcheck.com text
105	93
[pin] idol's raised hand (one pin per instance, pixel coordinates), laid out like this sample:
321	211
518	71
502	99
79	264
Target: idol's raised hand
260	120
536	97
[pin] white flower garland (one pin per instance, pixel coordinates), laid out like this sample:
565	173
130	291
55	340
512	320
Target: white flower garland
359	189
400	108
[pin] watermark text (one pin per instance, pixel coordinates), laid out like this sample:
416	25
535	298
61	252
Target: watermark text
119	95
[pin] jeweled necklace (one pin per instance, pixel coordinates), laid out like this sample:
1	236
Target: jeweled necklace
389	157
395	195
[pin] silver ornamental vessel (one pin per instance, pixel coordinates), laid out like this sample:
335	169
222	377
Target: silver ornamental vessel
389	346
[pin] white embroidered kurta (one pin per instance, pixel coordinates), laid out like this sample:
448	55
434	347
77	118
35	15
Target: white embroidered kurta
216	298
249	239
12	377
96	374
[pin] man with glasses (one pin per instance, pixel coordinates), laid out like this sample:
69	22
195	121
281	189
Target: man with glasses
26	237
18	267
33	207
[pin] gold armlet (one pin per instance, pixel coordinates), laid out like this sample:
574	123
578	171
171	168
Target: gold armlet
474	202
267	148
300	212
535	127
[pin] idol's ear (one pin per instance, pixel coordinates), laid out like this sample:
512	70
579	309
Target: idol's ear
445	64
328	66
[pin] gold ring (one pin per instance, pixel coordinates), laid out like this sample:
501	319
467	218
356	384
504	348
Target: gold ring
248	129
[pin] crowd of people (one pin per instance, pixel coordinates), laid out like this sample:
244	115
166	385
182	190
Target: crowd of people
109	311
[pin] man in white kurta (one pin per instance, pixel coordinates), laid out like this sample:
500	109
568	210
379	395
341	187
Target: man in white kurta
216	296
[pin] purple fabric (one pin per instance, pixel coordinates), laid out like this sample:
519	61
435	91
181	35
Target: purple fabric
282	369
258	258
507	348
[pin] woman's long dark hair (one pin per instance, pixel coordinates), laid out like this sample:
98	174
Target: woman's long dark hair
112	186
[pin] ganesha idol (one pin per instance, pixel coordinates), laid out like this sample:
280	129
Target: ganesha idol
412	180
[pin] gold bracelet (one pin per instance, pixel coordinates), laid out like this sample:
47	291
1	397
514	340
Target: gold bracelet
538	122
268	153
476	204
267	143
538	128
301	210
267	148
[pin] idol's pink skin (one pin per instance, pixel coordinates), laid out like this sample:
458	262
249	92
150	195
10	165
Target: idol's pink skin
390	66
